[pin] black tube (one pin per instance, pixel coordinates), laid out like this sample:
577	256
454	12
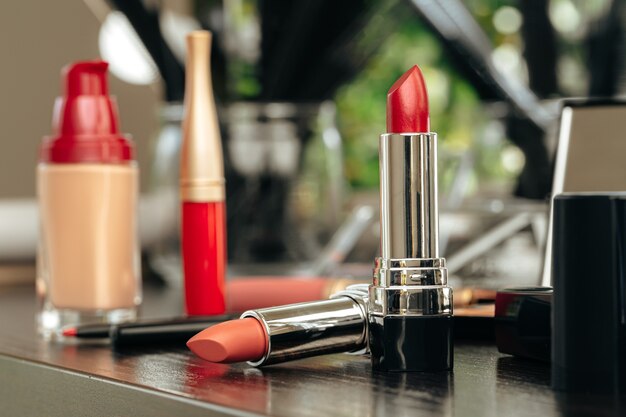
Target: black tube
588	275
157	332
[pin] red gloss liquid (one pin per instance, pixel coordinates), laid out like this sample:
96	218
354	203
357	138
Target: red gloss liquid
204	257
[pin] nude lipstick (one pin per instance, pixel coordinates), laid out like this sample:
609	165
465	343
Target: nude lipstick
203	228
296	331
410	304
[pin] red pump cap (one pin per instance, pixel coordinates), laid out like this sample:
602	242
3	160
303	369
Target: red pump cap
85	121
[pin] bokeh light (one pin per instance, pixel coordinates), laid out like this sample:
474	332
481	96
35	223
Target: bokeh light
121	47
512	159
507	58
507	20
565	17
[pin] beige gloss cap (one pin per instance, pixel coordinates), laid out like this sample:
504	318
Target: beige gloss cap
202	161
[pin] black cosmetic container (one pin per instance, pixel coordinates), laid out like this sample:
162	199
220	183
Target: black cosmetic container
522	322
588	275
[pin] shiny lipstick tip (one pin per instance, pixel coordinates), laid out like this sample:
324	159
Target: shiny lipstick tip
407	104
232	341
414	71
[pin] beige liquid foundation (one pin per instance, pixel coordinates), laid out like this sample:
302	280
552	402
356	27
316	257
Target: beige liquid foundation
87	184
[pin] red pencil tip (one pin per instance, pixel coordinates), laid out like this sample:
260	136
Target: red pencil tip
70	331
407	104
232	341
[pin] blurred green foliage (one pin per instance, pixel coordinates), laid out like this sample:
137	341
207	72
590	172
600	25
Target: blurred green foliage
463	123
457	115
456	112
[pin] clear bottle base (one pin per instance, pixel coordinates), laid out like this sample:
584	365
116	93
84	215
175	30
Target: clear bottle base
51	321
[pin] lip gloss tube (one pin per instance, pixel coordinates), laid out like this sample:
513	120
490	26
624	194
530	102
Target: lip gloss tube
410	304
203	229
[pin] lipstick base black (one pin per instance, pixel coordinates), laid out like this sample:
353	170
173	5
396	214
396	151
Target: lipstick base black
411	344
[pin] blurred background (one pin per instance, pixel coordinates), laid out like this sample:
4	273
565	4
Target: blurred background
301	89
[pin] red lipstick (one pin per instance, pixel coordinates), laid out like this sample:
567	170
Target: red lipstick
203	229
407	104
410	304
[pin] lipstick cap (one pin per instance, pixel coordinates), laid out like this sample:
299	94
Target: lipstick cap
202	161
522	322
588	276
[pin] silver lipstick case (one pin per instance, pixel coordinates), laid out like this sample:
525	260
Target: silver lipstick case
410	303
303	330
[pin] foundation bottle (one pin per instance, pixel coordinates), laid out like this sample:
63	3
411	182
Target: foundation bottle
87	184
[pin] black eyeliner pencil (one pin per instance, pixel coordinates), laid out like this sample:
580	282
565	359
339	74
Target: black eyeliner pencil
157	332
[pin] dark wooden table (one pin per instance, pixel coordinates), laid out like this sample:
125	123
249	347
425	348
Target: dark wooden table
39	378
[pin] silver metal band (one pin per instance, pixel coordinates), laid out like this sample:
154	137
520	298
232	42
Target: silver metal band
410	287
392	272
410	301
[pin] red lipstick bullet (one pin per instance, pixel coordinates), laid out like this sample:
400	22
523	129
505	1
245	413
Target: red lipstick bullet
407	104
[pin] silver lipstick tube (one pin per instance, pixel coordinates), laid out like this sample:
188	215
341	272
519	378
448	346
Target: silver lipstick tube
302	330
410	304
